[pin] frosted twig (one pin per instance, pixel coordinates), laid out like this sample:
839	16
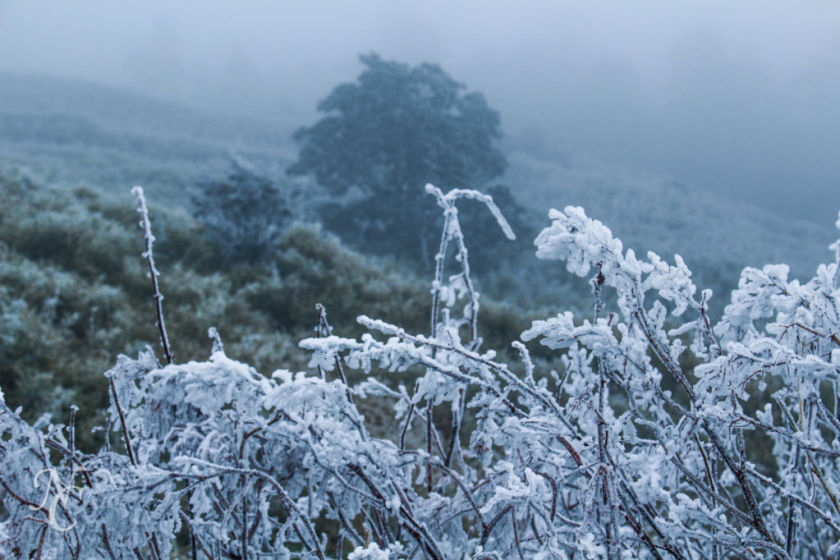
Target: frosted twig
153	271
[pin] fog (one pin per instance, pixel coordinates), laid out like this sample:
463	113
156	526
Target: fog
734	98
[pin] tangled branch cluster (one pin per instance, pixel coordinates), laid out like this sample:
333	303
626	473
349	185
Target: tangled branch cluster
600	460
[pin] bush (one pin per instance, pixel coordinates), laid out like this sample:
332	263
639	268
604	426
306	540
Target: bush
67	313
598	460
242	215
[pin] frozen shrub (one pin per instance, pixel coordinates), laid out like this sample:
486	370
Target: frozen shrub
539	465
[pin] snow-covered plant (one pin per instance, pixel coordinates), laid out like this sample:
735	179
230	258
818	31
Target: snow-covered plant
664	435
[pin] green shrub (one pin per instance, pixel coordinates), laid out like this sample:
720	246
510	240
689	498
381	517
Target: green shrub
242	214
74	293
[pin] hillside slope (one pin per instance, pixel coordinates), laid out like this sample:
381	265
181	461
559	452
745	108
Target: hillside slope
78	133
716	236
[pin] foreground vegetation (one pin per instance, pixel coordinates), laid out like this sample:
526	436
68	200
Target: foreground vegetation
643	445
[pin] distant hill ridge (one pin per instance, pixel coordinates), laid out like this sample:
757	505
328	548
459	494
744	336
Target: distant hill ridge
118	108
78	131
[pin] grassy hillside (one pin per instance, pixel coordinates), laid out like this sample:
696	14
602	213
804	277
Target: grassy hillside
77	133
715	236
74	293
74	131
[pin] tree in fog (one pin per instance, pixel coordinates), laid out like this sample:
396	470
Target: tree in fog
242	214
386	135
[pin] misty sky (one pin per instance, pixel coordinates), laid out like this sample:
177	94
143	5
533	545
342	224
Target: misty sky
735	97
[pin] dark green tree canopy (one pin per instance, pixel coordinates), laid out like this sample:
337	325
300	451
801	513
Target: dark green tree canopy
388	134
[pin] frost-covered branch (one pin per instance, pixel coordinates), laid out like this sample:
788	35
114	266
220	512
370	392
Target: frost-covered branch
153	271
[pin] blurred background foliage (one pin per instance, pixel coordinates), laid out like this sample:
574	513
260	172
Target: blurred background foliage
74	294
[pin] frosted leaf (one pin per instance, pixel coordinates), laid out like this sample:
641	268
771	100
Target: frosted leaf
578	240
